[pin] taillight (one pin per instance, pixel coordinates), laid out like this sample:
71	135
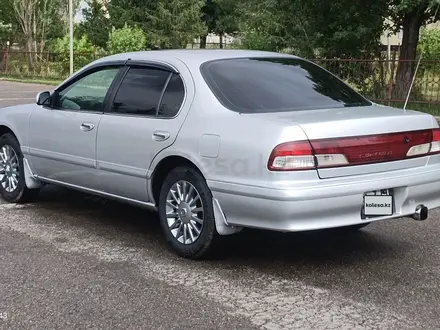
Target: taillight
358	150
292	156
435	144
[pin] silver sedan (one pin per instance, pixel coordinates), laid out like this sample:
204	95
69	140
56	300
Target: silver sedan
219	140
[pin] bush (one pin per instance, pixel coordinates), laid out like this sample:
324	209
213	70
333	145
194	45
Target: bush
255	40
84	51
126	39
429	45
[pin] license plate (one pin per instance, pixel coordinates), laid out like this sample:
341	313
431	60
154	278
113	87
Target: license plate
378	203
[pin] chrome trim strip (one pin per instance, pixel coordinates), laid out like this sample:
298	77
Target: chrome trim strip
86	162
125	170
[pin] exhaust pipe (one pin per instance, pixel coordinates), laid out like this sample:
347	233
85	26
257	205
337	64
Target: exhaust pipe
421	213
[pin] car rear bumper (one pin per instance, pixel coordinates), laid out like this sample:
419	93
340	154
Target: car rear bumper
326	203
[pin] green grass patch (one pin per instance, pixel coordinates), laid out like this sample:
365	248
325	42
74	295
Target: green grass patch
33	80
432	109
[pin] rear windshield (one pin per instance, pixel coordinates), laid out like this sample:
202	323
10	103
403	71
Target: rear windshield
258	85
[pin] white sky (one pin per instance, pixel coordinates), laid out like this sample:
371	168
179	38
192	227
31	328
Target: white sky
79	17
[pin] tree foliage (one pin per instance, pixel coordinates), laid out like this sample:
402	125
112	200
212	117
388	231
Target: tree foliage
7	22
430	44
329	28
126	39
167	23
175	23
131	12
35	22
82	47
221	17
96	25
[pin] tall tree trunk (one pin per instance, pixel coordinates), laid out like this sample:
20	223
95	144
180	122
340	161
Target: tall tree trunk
412	23
221	40
30	45
203	41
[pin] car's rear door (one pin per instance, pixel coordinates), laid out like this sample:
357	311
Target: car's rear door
143	118
63	136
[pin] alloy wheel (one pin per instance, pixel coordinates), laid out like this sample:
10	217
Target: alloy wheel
9	168
184	212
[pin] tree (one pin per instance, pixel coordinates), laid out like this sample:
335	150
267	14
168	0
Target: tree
410	15
96	25
262	25
221	17
83	48
8	23
429	44
127	39
167	23
39	20
26	11
176	23
131	12
342	28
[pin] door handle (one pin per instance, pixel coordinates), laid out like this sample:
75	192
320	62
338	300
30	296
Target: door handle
86	127
161	135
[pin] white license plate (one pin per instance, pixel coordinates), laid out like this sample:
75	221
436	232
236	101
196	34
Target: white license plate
378	205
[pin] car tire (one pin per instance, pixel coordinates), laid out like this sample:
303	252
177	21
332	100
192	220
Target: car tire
186	236
12	167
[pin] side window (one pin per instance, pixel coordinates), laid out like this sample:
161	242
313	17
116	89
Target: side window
140	91
89	92
173	97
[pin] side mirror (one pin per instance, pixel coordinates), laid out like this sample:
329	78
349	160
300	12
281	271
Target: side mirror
43	98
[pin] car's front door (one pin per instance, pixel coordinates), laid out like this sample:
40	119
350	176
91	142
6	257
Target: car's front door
143	119
63	135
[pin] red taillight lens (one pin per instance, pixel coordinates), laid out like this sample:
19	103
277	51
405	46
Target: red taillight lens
292	156
374	148
358	150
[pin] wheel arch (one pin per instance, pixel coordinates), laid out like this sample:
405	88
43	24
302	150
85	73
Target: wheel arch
161	170
5	129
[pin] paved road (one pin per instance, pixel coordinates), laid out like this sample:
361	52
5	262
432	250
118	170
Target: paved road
18	93
71	261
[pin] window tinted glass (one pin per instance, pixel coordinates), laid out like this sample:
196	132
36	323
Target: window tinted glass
256	85
173	97
140	91
89	92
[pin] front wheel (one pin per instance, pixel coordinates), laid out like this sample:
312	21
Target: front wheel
186	213
12	180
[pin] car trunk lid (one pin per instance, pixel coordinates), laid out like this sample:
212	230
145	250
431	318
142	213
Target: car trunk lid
372	139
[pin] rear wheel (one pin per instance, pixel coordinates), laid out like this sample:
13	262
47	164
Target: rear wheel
12	180
186	213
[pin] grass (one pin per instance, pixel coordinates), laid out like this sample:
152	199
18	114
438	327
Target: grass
432	109
32	80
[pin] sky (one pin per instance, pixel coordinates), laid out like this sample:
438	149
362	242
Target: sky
79	16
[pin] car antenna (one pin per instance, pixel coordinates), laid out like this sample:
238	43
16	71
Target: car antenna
412	83
417	68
